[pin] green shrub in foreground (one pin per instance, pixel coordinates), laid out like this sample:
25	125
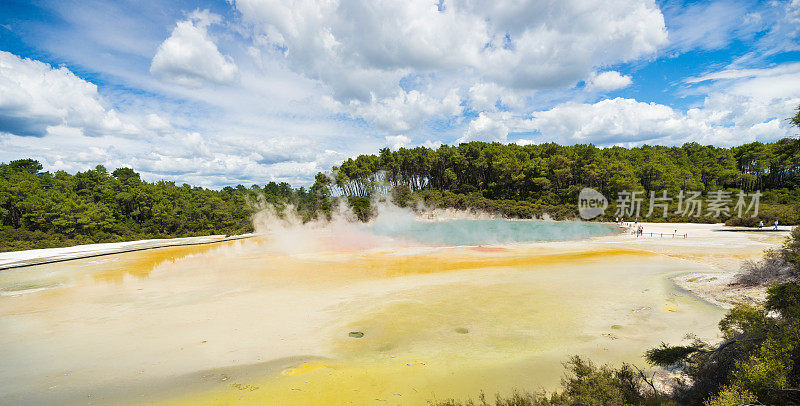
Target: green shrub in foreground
583	384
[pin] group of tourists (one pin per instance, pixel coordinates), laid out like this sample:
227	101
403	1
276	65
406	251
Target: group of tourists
639	229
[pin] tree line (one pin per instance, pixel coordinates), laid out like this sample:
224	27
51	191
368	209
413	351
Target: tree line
42	209
532	180
549	171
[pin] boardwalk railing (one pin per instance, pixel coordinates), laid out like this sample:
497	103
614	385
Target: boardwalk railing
673	235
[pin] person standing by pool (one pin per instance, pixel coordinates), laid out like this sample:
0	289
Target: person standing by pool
776	225
761	224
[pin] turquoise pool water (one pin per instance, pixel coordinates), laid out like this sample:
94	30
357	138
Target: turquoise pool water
490	231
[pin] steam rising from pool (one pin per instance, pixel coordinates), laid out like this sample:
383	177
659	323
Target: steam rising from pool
397	227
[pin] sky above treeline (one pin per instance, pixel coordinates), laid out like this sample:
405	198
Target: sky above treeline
218	93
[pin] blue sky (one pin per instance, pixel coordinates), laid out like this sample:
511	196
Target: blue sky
250	91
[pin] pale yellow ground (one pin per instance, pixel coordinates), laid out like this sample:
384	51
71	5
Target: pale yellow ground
250	323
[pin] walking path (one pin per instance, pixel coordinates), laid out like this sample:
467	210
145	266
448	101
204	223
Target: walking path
16	259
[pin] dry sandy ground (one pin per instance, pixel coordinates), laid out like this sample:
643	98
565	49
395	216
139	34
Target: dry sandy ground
16	259
234	317
225	312
721	247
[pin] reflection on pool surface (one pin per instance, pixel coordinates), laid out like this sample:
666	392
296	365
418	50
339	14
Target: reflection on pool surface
249	322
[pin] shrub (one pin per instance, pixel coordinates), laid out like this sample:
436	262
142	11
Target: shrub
759	358
361	207
785	299
772	268
666	356
731	396
791	250
761	374
583	384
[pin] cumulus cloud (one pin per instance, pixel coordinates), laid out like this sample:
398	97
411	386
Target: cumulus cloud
739	106
157	123
37	99
610	121
750	97
358	47
240	142
190	58
608	80
487	127
493	55
315	82
406	110
623	121
397	141
486	96
495	127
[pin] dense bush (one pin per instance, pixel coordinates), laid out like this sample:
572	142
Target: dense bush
42	209
584	384
533	180
791	251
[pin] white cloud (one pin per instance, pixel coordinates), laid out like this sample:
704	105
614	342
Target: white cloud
486	127
481	54
310	83
767	28
157	123
739	106
608	80
238	137
485	96
710	25
494	127
628	122
406	110
397	141
783	29
610	121
361	48
780	70
190	58
749	97
37	99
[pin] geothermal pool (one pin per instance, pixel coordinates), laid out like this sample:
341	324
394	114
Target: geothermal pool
446	308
